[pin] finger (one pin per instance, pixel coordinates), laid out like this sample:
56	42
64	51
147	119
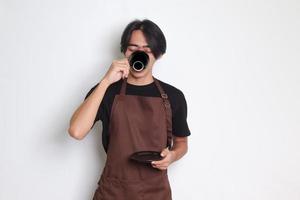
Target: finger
162	168
124	75
154	166
123	71
160	162
123	61
121	66
164	152
126	71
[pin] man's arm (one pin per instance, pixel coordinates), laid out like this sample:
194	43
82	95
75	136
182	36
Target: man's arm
83	118
180	147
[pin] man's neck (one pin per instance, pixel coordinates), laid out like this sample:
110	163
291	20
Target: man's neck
140	80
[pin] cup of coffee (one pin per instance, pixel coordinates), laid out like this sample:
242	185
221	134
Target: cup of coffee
138	60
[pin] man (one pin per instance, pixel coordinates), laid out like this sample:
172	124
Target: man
139	113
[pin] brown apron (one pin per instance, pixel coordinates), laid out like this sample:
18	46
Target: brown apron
137	123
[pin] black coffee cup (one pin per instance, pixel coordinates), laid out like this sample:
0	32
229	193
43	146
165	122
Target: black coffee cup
138	60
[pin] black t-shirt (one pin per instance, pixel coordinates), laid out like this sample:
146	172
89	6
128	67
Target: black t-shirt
176	97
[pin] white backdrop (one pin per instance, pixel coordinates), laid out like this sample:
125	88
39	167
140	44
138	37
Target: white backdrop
236	61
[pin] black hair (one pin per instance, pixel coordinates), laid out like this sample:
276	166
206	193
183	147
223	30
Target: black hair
153	34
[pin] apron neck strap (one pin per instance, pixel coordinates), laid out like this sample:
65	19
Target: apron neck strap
168	112
123	88
167	107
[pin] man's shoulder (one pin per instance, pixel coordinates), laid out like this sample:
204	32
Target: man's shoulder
170	89
176	96
116	86
112	90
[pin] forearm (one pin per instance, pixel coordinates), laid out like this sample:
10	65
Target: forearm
84	116
179	148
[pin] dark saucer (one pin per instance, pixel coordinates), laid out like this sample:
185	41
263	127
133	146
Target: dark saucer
146	156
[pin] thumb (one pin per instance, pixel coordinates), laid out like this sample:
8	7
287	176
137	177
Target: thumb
164	152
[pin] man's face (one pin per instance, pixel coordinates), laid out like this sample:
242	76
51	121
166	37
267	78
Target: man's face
138	42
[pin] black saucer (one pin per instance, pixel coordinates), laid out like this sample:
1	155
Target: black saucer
146	156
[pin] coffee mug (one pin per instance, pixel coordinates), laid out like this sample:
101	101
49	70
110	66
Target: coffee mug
138	60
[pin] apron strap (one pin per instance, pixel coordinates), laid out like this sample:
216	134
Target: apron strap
167	106
123	88
168	110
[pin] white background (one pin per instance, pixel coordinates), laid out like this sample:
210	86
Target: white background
236	61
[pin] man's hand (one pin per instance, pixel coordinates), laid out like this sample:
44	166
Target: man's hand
169	157
118	69
178	150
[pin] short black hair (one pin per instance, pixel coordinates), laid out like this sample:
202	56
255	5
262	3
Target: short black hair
153	34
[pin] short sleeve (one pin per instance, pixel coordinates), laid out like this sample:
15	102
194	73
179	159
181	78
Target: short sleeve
179	118
98	115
